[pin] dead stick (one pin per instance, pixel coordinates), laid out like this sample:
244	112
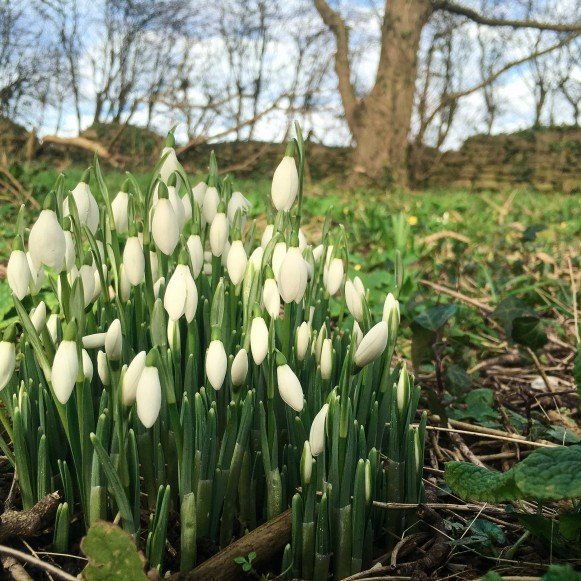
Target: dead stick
36	563
16	571
29	522
267	540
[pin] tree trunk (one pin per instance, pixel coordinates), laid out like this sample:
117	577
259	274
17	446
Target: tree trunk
381	124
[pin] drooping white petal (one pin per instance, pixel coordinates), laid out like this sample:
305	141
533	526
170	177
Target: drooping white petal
216	364
18	274
271	298
258	340
131	378
148	396
285	184
134	261
219	234
46	242
174	299
196	253
211	202
327	359
335	276
65	367
372	345
94	341
7	362
114	341
87	365
239	368
38	317
303	337
289	387
236	262
164	227
317	433
120	207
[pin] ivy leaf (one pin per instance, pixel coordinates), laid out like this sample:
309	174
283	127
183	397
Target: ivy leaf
480	484
550	473
112	554
435	318
457	380
528	331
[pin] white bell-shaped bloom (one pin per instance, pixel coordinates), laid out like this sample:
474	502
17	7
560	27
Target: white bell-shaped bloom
303	337
216	363
98	286
94	341
103	368
18	274
391	313
238	202
87	365
289	387
285	184
87	274
69	250
86	206
7	362
211	202
267	235
318	252
173	334
181	294
278	256
165	227
187	206
170	163
124	285
239	368
334	276
219	234
131	378
196	252
65	367
199	193
52	326
357	334
236	262
256	257
293	276
46	242
157	286
114	341
271	298
327	359
372	345
403	389
120	207
317	433
148	396
38	317
354	301
36	275
134	261
258	340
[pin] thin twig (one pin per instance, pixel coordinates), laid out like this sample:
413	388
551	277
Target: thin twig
47	567
505	438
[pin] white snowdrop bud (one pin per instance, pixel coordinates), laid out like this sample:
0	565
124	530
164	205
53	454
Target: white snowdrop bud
164	227
196	253
187	206
357	333
318	345
46	242
391	314
403	389
157	286
216	363
302	240
211	203
36	275
98	287
289	387
335	276
354	301
177	205
278	255
87	365
256	257
239	368
64	371
372	345
318	252
271	298
38	317
86	206
317	433
199	193
358	283
219	234
181	294
134	261
131	378
87	274
52	326
238	202
114	341
258	340
267	235
124	285
303	337
285	184
306	466
207	269
170	163
103	368
148	396
327	359
120	207
173	334
94	341
236	262
224	257
7	362
18	274
293	276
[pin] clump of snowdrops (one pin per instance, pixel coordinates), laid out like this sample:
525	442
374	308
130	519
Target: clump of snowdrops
183	362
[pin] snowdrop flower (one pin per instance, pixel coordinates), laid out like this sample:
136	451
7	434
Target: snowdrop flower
334	276
103	368
154	261
134	261
238	202
236	262
391	314
317	433
120	207
181	294
98	287
219	234
114	341
38	317
271	298
7	358
131	378
289	387
211	202
306	465
36	275
170	163
69	250
187	206
403	389
267	235
357	334
239	368
278	255
18	274
87	365
148	396
216	363
65	366
46	242
164	227
318	252
256	257
199	193
87	274
124	284
86	204
327	359
157	286
196	252
303	337
52	327
354	301
173	334
372	345
258	340
293	276
96	340
285	184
